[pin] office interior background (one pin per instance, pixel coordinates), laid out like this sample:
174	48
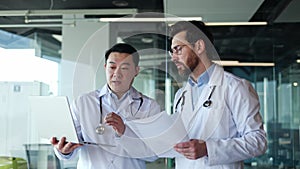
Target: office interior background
56	48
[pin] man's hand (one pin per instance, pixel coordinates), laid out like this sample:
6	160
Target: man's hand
63	146
114	120
192	149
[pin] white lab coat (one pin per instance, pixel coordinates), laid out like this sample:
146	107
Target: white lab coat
86	114
232	126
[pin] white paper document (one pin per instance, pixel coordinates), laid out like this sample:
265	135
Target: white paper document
160	132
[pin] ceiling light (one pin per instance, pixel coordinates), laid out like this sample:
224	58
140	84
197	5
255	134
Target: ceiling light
59	12
235	23
298	60
33	25
167	19
147	39
237	63
57	37
295	84
42	20
120	3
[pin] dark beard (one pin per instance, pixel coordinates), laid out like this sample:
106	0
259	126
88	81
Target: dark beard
189	67
184	73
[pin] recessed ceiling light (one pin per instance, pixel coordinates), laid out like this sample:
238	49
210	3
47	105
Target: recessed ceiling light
120	3
147	39
295	84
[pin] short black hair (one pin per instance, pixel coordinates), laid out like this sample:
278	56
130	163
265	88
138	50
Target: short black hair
124	48
193	29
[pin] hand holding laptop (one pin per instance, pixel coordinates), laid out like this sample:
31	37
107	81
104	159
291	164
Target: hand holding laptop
43	112
63	146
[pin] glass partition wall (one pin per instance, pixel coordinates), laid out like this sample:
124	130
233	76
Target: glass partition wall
29	65
35	65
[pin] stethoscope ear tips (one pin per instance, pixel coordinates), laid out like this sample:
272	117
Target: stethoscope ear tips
207	103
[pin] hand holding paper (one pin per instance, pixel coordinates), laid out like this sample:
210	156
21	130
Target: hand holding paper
160	132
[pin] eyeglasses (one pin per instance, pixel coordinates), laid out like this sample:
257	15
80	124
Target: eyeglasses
176	50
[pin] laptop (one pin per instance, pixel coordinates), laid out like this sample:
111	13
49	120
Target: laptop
51	117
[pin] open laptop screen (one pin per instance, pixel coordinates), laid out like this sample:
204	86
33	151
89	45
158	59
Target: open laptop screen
51	117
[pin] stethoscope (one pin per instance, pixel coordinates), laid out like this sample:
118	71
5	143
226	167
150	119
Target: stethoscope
207	103
101	127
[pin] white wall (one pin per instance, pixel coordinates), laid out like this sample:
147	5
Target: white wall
83	49
14	115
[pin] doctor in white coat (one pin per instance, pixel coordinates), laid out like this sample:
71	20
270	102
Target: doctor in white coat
220	110
99	115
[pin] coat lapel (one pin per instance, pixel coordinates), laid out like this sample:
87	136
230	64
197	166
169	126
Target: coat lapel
187	111
188	114
215	111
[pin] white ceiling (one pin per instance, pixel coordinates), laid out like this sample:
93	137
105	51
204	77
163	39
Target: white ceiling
214	10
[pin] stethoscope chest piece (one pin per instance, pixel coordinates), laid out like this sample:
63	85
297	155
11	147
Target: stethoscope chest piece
100	129
207	103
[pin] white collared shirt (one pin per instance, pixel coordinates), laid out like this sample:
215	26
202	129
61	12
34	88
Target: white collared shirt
197	87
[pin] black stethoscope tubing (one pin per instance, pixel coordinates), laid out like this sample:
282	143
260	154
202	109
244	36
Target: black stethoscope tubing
182	97
207	103
101	108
